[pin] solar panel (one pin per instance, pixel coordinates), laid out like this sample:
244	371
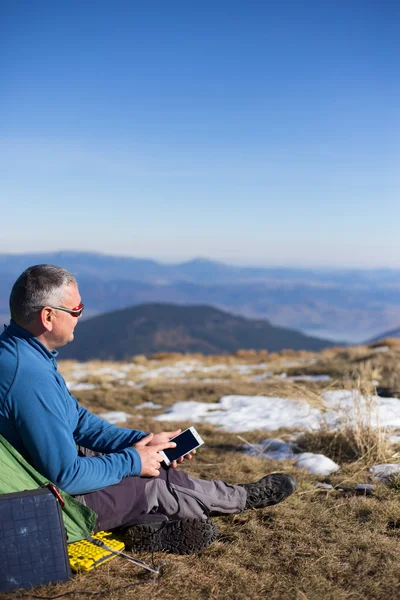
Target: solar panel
33	549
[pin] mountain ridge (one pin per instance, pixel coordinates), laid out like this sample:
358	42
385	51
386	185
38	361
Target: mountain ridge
98	262
162	327
347	304
392	333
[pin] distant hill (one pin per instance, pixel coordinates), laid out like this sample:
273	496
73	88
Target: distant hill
150	328
339	304
393	333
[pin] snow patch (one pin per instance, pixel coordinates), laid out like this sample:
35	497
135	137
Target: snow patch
245	413
148	405
273	448
385	472
383	412
381	349
318	464
307	377
183	368
277	449
262	377
115	417
76	387
394	439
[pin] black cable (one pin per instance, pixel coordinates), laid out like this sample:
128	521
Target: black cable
100	593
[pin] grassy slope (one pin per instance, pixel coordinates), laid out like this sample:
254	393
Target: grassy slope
316	545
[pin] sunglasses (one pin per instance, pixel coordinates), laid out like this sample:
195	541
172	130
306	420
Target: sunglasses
75	312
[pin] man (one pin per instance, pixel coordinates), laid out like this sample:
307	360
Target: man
121	477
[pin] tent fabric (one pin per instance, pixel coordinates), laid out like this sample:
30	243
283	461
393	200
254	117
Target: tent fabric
16	475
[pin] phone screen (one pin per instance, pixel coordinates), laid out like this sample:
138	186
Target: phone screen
185	442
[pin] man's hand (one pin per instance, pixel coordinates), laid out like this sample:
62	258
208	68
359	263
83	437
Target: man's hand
164	436
150	456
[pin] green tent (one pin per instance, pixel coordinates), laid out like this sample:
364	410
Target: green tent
16	475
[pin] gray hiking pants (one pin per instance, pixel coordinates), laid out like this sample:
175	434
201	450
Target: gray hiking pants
172	495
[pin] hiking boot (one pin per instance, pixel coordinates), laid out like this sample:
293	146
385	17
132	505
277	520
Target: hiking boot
269	490
185	536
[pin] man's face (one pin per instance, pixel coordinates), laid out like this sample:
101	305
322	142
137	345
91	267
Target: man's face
65	323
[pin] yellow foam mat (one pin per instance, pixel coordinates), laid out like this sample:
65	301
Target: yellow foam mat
86	555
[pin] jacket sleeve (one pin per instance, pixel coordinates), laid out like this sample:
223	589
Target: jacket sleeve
42	412
97	434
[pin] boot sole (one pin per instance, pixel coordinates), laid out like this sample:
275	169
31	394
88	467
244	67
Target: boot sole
186	536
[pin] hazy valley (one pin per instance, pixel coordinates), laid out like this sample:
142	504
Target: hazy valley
344	305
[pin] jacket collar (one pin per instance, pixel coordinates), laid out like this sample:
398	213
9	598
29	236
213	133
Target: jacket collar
14	330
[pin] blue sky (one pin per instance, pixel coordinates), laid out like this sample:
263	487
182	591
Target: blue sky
254	132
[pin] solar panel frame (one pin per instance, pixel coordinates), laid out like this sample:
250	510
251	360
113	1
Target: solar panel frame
33	544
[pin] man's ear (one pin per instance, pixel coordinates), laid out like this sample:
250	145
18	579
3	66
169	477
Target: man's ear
47	317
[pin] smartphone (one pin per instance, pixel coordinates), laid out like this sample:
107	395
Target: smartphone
185	442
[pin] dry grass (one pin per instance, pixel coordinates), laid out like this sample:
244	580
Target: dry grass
319	544
368	441
389	342
359	427
316	545
334	444
349	445
357	438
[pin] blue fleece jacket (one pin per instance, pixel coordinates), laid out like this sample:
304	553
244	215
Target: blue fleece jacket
44	422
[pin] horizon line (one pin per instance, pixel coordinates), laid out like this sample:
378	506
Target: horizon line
172	262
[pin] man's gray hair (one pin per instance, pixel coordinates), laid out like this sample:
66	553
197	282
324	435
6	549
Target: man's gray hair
36	287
